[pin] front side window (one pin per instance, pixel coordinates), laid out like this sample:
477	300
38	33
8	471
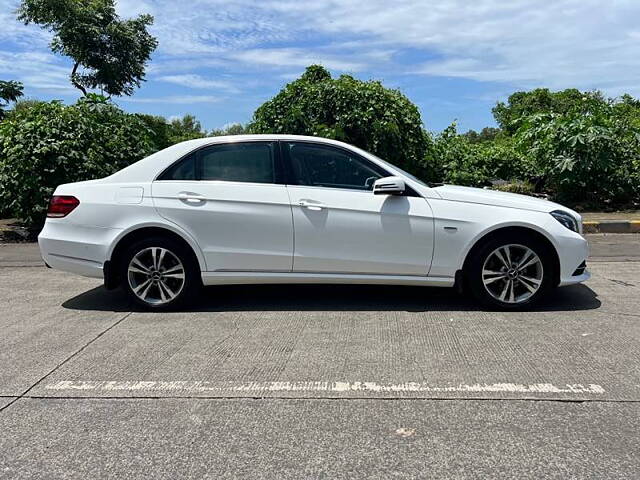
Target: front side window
239	162
326	166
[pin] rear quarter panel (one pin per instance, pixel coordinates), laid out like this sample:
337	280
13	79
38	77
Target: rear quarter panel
107	212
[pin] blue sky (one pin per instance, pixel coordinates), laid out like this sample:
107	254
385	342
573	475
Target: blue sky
219	60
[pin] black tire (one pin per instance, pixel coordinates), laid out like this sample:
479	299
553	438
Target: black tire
490	295
161	287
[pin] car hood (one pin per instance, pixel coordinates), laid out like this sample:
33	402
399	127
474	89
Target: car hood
500	199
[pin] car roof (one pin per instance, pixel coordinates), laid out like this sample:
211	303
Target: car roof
148	168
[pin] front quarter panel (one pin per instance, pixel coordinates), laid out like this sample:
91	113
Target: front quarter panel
459	225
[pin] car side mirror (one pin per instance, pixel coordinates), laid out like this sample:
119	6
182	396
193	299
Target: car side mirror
389	186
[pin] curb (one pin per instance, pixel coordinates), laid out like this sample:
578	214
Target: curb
612	226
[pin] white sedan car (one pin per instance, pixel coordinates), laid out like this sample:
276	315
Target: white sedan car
294	209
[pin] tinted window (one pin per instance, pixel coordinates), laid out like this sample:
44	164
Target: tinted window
240	162
185	169
322	166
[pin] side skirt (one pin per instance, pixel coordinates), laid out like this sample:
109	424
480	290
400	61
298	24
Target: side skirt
231	278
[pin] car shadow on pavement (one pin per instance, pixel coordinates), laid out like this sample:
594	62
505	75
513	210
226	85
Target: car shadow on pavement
331	298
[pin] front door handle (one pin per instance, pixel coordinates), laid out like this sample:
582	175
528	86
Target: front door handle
311	205
190	197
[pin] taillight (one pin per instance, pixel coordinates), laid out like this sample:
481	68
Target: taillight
61	205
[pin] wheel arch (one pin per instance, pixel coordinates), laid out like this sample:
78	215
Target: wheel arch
512	229
139	232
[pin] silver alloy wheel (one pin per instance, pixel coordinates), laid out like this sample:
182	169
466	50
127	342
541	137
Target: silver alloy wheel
156	275
512	273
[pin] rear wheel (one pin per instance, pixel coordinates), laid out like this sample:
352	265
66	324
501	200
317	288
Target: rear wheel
511	272
159	273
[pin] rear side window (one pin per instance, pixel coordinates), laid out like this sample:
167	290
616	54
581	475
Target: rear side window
252	162
240	162
184	169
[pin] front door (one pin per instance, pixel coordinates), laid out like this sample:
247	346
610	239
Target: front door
342	227
230	198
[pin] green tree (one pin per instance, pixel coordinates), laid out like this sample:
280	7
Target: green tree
233	129
520	105
165	133
159	130
455	159
590	158
185	128
108	53
366	114
487	134
9	92
50	144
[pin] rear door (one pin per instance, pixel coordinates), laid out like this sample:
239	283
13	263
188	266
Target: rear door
342	227
231	199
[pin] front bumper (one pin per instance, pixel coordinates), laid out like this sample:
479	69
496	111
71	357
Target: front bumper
575	279
573	251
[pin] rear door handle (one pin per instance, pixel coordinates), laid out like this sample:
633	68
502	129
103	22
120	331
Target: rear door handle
190	197
311	205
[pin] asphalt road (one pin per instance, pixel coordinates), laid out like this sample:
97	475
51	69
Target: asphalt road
319	381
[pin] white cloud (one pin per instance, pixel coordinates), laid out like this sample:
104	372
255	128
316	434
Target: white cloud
173	99
584	43
191	80
520	43
296	57
37	71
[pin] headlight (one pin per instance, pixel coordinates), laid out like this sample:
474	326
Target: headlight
567	220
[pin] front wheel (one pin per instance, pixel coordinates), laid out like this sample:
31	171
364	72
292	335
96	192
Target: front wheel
159	273
511	272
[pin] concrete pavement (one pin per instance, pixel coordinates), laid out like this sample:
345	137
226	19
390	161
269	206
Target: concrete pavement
319	381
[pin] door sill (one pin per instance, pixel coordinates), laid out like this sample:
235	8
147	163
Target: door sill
232	278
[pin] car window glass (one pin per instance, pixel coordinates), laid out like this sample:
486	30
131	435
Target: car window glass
322	166
185	169
240	162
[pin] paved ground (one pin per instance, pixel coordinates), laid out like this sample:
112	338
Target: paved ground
319	381
624	215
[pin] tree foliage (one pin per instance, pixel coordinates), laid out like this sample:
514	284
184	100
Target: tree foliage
487	134
108	53
366	114
587	155
233	129
165	133
580	148
456	159
50	144
520	105
10	91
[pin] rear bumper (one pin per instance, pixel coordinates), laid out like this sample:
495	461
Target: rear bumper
79	266
74	248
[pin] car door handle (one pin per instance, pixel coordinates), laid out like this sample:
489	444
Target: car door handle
190	197
311	205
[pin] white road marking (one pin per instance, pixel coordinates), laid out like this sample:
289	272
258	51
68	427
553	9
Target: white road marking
326	387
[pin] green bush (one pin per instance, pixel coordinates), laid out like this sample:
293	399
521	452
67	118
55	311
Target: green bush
520	105
164	133
518	186
459	160
590	158
366	114
50	144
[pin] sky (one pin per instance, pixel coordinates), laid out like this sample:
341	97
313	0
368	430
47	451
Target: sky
220	60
